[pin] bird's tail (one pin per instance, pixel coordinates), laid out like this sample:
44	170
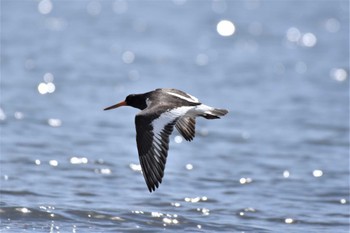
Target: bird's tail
215	113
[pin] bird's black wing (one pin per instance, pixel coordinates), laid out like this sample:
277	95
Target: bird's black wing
186	127
152	137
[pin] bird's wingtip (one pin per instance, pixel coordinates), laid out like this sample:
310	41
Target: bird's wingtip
151	189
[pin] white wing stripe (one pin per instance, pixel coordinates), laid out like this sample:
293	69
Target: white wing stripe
156	144
164	119
156	157
192	99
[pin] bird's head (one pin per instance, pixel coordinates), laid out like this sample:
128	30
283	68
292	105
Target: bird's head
133	100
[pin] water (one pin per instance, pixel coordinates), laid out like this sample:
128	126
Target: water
279	162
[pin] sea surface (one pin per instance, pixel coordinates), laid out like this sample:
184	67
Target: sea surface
278	162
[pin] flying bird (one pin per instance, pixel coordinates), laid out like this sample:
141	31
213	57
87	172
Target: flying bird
161	110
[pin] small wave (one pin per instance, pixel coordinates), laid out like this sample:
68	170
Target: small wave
19	193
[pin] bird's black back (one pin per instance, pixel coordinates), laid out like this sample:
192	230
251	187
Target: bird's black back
161	96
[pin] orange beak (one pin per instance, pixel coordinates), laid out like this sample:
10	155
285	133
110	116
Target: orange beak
123	103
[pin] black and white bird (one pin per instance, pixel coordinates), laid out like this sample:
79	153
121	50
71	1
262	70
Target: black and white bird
161	110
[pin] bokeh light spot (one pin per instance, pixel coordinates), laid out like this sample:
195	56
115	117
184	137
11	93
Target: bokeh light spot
23	210
225	28
332	25
53	163
104	171
244	180
309	39
189	166
19	115
128	57
135	167
300	67
50	87
54	122
339	74
293	34
2	115
286	174
45	7
317	173
289	220
48	77
42	88
178	139
78	160
343	201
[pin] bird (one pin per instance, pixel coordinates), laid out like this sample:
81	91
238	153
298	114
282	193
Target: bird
161	110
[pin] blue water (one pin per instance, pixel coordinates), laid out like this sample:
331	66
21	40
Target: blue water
278	162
